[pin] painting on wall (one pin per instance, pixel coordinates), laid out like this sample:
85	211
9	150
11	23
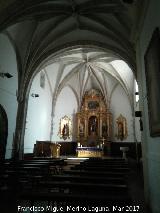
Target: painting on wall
65	128
152	71
121	129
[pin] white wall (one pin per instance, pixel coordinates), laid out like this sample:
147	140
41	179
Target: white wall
38	121
8	87
66	105
120	105
151	146
125	72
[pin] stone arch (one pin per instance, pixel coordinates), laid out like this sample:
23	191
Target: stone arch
3	132
40	64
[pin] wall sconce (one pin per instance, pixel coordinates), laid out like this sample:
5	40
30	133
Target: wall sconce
7	75
35	95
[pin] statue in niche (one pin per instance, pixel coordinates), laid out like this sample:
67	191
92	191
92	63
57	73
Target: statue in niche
104	129
81	129
92	124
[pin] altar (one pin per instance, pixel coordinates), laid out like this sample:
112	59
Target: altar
89	152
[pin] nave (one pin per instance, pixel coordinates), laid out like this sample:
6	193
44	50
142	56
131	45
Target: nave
71	185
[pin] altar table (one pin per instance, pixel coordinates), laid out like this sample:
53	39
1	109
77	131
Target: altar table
89	152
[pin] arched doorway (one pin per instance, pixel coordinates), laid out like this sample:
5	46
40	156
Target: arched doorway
3	132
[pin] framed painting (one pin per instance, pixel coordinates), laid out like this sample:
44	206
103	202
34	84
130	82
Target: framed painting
122	132
65	128
152	71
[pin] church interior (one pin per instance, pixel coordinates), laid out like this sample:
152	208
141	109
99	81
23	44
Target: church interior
79	106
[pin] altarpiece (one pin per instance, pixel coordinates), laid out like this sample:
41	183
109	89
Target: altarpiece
94	121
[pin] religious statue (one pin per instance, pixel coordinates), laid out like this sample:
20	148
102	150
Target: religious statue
81	129
92	124
121	128
104	129
65	127
65	130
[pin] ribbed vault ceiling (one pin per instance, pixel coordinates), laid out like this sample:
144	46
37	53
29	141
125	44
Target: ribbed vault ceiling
39	28
83	69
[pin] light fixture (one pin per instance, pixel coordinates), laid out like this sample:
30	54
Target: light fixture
34	95
7	75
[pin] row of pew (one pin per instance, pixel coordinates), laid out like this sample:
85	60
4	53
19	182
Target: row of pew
18	177
51	183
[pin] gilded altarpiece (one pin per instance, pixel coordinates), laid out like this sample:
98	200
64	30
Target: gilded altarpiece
94	121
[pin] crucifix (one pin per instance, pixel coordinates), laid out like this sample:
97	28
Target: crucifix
103	140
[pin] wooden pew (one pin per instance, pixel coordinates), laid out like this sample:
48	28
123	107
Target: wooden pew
94	168
97	183
14	173
87	179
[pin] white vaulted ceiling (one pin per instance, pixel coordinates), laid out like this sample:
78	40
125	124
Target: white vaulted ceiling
39	29
83	69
